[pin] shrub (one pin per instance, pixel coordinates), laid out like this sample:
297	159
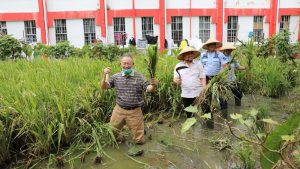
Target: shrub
10	48
61	50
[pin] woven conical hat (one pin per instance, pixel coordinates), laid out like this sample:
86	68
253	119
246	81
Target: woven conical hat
188	49
211	41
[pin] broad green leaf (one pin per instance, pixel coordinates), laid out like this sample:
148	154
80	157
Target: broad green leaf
270	121
206	116
188	124
261	135
288	137
192	109
236	116
253	112
248	123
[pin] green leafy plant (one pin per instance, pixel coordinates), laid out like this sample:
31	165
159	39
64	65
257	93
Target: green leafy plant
152	59
10	48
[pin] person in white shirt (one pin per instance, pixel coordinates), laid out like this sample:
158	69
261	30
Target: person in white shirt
189	75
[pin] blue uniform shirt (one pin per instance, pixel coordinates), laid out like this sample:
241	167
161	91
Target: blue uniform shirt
234	65
212	62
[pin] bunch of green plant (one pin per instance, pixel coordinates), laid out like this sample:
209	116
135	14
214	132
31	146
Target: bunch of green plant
218	87
26	48
266	48
248	51
10	48
107	52
246	155
152	58
284	50
61	50
270	143
39	49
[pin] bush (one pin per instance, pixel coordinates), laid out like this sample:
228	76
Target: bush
107	52
10	48
61	50
268	77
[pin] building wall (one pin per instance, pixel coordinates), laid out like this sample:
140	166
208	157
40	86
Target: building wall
148	4
16	29
119	4
289	3
75	10
16	6
294	28
175	4
245	24
72	5
247	3
75	32
203	4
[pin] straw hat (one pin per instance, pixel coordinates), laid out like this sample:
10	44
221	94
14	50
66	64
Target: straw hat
227	46
188	49
212	41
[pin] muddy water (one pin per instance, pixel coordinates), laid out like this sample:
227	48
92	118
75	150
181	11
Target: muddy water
167	148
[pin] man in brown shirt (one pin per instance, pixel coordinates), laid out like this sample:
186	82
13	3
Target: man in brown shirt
130	86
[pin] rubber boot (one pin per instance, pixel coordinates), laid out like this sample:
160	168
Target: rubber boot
224	113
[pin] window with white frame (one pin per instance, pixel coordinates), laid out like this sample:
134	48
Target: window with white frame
176	28
89	30
147	26
60	30
258	28
119	31
204	28
284	23
3	28
232	28
30	31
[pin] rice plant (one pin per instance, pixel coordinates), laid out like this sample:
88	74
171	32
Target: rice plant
152	59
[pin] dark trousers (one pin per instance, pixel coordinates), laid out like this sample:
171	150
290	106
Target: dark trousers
186	103
237	93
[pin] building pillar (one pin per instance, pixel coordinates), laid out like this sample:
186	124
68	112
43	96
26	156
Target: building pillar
102	18
162	24
273	15
41	21
219	23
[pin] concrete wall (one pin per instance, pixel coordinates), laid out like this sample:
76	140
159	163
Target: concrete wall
204	4
75	32
15	6
247	3
294	28
186	27
175	4
16	29
245	26
110	34
148	4
72	5
119	4
289	4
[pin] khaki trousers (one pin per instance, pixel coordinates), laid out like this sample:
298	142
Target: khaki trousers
134	120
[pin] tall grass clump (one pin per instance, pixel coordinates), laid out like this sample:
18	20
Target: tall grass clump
268	76
42	102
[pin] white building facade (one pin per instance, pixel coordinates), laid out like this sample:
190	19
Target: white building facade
82	22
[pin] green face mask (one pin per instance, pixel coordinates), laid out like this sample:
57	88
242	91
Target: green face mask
127	71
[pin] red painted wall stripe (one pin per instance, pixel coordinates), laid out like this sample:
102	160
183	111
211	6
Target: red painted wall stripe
130	13
288	11
162	24
134	24
41	21
247	12
72	15
18	16
219	26
273	18
191	12
101	19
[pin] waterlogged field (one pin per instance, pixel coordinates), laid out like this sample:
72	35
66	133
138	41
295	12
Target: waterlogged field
54	114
